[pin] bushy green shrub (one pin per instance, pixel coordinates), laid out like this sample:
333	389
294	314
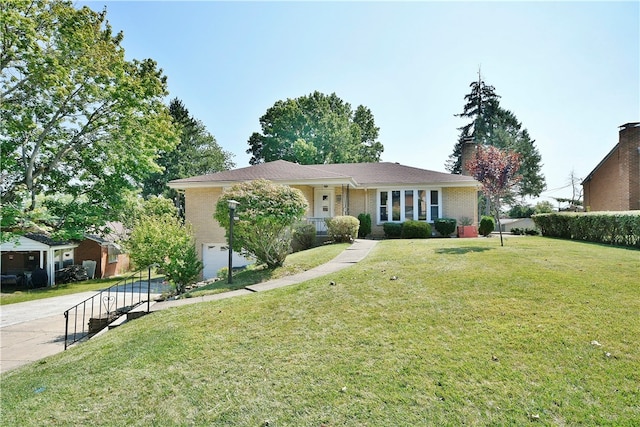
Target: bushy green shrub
266	214
365	225
342	228
445	226
524	231
415	230
615	228
304	237
392	230
487	225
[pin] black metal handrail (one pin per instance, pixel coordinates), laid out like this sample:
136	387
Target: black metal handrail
95	313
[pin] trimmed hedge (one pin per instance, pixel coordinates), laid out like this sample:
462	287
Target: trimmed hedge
445	226
342	228
415	230
614	228
304	237
487	225
365	225
392	229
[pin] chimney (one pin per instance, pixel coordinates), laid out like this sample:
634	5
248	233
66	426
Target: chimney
629	144
469	148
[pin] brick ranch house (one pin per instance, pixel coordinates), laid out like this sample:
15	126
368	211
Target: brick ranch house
614	184
389	192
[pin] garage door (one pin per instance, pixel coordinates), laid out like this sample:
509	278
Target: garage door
215	256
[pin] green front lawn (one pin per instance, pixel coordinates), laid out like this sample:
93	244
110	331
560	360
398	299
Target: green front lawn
15	296
422	332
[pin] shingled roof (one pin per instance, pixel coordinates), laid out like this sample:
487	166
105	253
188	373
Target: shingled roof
359	175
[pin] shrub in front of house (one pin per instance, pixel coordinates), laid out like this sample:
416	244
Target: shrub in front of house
487	225
392	230
265	216
365	225
445	226
415	230
342	228
304	237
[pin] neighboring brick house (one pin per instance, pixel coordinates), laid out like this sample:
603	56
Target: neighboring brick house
389	192
108	256
614	184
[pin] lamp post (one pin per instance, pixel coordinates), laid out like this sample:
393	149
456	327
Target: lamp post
232	210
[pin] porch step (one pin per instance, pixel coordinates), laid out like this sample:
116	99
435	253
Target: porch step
118	322
137	312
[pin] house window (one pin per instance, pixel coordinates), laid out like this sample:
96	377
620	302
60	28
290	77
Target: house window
422	205
384	214
112	254
435	205
409	204
395	206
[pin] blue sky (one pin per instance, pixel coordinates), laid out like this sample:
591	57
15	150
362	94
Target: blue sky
570	71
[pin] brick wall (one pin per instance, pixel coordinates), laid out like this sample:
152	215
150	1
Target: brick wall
615	184
460	202
200	205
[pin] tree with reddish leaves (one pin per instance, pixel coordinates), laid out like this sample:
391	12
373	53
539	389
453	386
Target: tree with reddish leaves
497	171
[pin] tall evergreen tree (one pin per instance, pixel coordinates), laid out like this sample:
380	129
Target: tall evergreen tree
492	125
197	153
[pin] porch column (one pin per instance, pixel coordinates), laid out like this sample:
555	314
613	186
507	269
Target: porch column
51	266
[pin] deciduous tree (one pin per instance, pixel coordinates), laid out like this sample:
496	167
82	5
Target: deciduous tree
498	172
159	237
80	124
316	129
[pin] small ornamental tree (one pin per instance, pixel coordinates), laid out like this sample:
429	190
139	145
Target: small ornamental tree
497	171
266	214
162	239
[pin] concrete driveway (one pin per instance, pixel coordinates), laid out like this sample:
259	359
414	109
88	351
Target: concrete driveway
30	331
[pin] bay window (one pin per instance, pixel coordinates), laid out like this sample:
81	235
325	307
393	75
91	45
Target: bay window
409	204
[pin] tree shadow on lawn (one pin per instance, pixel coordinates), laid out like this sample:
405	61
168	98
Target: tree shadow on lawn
463	250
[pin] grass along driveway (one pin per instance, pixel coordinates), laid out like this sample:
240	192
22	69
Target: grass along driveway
539	331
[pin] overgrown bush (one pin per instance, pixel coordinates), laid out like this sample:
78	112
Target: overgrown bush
487	225
266	214
445	226
615	228
365	225
392	230
415	230
304	237
342	228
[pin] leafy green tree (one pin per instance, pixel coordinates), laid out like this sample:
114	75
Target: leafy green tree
80	124
316	129
197	153
159	237
266	214
543	207
521	211
493	125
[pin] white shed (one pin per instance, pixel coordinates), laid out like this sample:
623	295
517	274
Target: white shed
23	255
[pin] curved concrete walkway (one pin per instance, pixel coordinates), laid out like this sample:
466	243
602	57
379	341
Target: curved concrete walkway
31	331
